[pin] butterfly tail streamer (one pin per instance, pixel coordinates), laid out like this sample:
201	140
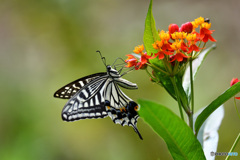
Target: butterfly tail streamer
136	130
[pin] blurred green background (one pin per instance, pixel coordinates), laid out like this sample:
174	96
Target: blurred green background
49	43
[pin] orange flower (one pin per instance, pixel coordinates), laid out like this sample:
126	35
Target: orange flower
158	46
179	57
160	55
192	40
165	38
193	47
131	61
205	33
139	49
167	47
176	46
143	60
197	36
179	37
197	22
183	46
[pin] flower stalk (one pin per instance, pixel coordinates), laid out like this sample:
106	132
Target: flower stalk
233	146
178	96
192	94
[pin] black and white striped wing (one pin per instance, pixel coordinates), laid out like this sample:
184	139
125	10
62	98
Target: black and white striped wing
67	91
120	108
88	102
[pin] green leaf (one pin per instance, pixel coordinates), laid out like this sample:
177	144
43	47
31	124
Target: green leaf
196	65
229	93
181	142
150	36
150	32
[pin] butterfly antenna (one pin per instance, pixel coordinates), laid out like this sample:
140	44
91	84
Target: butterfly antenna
117	59
103	58
119	65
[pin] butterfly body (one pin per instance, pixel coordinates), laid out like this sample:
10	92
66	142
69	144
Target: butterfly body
98	96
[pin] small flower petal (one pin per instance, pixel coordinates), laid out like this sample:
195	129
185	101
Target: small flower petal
179	57
193	47
131	61
138	49
234	81
205	35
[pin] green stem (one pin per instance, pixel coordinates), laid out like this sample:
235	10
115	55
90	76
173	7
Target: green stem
154	79
190	119
236	107
175	69
233	146
177	95
191	82
190	114
182	67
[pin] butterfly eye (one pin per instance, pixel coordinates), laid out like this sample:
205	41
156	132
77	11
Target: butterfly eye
136	108
109	68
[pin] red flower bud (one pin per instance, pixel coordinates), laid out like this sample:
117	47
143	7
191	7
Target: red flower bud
186	27
173	28
234	81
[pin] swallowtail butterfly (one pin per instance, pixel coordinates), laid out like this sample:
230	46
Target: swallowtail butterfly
98	96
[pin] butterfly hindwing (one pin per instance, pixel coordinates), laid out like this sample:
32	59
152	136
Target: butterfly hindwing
67	91
121	109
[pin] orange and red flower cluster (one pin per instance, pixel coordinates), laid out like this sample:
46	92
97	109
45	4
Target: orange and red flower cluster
133	61
177	44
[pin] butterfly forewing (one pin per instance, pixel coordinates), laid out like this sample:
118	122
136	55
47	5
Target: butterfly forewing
88	102
72	88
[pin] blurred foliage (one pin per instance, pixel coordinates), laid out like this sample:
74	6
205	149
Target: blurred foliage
46	44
